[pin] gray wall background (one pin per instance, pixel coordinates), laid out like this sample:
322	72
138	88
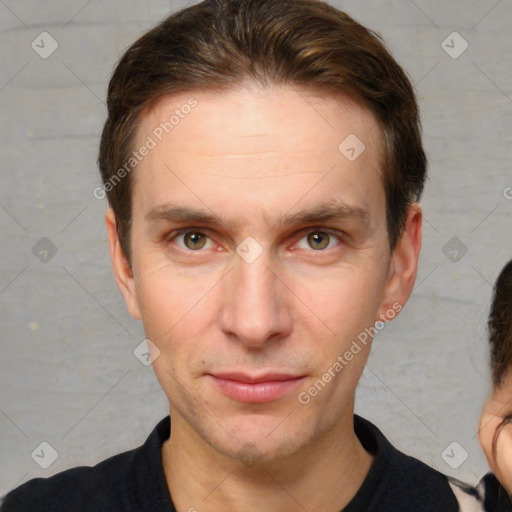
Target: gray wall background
68	375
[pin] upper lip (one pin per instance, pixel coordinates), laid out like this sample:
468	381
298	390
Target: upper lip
255	379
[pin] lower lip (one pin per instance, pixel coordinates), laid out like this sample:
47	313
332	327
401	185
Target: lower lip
256	393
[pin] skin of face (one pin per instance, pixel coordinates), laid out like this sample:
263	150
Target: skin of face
497	407
251	158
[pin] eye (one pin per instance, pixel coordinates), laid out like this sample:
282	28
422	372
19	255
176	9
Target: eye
191	240
317	240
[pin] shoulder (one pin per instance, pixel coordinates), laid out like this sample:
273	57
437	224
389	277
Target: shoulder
420	484
399	481
117	483
76	489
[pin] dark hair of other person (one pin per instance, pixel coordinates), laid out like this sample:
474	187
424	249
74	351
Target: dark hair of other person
500	336
219	45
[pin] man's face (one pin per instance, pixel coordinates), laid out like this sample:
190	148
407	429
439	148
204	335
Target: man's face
281	305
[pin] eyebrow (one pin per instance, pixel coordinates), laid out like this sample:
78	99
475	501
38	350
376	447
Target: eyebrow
322	213
325	212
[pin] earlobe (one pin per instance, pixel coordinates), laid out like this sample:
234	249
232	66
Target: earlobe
404	263
122	268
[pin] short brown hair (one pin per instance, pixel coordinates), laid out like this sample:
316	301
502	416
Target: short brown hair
219	44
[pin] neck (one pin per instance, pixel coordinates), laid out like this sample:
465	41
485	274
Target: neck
323	476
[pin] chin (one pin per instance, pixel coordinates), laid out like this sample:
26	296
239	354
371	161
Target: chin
256	439
251	451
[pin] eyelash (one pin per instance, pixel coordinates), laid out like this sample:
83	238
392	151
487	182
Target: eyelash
302	234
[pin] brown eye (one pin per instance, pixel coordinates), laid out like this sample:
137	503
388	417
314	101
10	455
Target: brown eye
318	240
194	241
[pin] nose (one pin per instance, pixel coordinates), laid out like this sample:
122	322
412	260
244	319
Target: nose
254	309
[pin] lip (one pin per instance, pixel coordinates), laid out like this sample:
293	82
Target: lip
256	389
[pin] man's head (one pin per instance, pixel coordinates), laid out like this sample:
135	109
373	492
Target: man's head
258	222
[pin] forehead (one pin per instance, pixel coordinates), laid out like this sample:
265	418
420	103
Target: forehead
261	143
255	119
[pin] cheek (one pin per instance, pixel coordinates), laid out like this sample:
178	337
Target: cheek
159	309
168	298
166	318
179	315
347	300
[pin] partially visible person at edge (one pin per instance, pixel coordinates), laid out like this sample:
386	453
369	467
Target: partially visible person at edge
263	165
495	432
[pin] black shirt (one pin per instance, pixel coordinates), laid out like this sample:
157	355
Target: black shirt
134	481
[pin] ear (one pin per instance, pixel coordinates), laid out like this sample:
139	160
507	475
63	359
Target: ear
403	266
122	269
